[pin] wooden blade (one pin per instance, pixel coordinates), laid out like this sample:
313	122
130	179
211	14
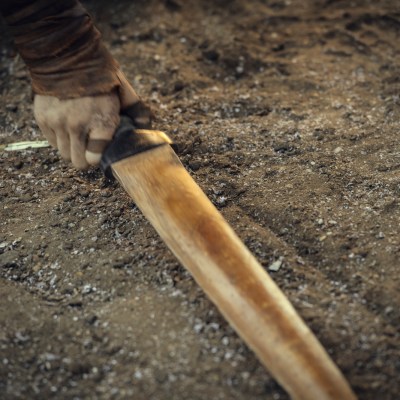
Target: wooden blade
229	274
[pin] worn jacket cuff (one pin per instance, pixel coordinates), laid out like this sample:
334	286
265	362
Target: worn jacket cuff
61	48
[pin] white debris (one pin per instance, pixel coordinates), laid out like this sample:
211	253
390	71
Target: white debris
276	265
338	150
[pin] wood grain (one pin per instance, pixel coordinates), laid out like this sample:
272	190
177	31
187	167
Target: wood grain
229	274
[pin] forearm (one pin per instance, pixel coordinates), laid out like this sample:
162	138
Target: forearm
61	47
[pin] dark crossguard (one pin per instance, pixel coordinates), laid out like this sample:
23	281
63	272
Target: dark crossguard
129	141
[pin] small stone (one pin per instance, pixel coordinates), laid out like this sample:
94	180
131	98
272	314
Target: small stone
91	320
276	265
278	47
194	165
12	107
211	55
240	69
79	368
18	165
380	235
388	310
76	302
198	327
116	213
178	86
67	246
138	374
36	268
221	200
84	193
338	150
21	337
88	289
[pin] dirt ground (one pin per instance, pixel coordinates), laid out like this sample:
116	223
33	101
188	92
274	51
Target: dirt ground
287	113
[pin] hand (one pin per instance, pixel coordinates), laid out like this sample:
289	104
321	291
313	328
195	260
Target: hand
81	128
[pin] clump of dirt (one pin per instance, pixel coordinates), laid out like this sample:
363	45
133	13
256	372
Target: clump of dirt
287	115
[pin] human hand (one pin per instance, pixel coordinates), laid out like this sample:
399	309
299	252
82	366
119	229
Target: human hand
81	128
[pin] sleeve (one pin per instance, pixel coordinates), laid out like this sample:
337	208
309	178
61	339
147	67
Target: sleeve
61	47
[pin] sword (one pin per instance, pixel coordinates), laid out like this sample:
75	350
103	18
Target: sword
147	167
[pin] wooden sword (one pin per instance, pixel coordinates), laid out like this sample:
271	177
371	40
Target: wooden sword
147	167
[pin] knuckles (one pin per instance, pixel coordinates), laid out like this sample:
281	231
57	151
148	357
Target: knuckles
76	121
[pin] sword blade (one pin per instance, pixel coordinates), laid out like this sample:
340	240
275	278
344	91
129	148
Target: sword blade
232	278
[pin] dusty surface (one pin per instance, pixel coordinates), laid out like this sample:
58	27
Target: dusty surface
287	114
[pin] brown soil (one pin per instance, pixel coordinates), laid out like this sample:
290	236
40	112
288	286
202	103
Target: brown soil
287	115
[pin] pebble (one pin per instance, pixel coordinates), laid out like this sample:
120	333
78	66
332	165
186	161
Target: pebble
79	368
67	246
178	86
221	200
12	107
84	193
338	150
211	55
88	289
18	165
21	338
138	375
194	165
76	302
388	310
198	327
116	213
276	265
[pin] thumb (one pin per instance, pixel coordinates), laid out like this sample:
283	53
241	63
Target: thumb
99	138
127	94
103	121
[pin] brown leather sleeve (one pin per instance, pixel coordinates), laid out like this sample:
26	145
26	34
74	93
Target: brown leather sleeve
61	47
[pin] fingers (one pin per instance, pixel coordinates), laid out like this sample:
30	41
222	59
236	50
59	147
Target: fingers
63	144
103	124
49	134
98	141
80	128
50	122
78	148
40	105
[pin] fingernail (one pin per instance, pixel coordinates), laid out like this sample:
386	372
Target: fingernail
93	158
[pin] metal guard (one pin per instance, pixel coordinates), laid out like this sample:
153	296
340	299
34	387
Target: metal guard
129	141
